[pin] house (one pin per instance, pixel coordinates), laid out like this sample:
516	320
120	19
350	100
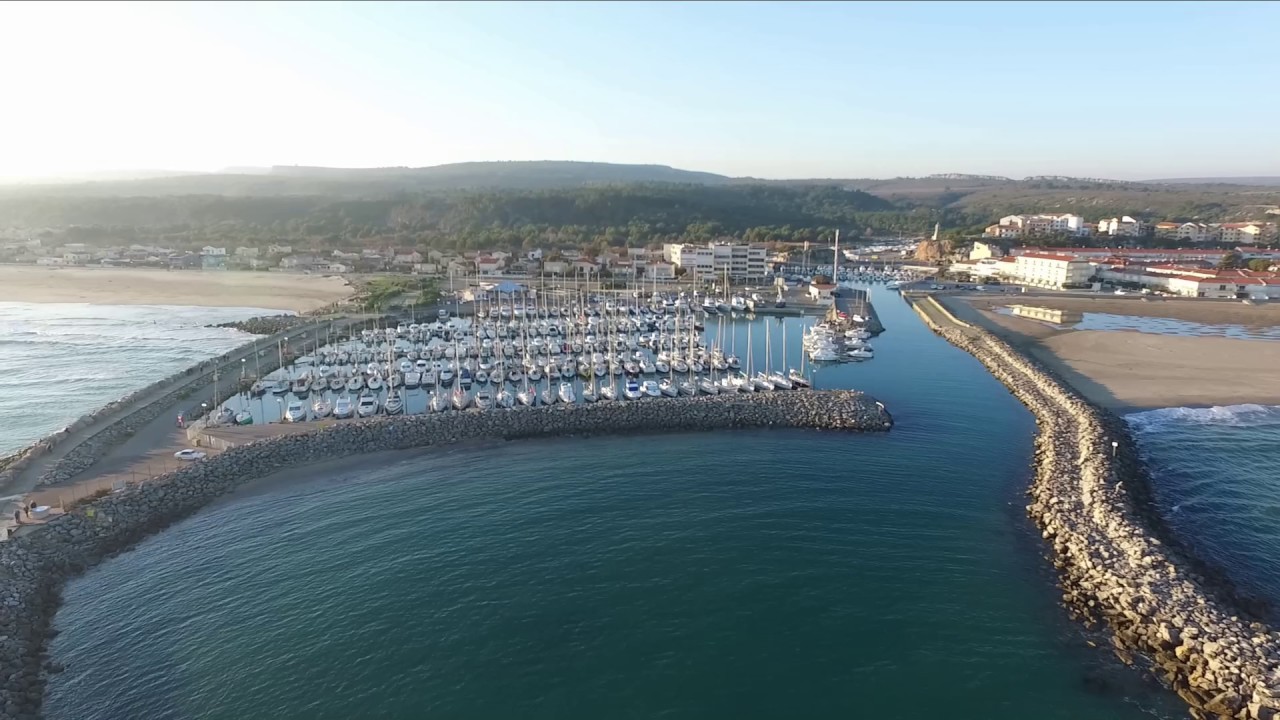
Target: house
586	268
1186	231
434	256
623	269
51	260
247	252
76	258
299	262
534	255
1122	227
412	257
660	270
274	249
342	255
555	267
426	268
490	265
209	250
822	292
337	267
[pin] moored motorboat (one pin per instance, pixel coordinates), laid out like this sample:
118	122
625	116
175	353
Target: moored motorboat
295	411
367	405
343	408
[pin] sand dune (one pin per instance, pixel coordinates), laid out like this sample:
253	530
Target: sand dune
137	286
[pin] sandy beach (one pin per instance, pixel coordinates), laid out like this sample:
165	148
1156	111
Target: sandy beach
146	286
1131	371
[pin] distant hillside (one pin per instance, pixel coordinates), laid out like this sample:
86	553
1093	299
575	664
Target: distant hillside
378	182
1265	181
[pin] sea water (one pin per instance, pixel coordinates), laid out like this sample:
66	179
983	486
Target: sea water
758	574
59	361
1216	474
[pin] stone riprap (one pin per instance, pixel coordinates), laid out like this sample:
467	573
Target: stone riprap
33	567
1116	562
267	324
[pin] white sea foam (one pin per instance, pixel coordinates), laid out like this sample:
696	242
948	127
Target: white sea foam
1247	415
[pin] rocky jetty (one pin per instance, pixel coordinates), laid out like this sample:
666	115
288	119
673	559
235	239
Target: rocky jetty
267	324
134	411
1091	499
34	567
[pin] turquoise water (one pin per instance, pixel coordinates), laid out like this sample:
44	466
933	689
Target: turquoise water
1217	480
747	575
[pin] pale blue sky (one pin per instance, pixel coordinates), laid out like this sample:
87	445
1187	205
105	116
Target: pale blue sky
1117	90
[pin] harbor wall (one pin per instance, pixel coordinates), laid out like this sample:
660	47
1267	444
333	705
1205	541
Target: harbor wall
1119	568
34	567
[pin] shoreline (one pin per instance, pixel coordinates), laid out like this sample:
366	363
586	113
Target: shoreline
1118	563
35	566
1127	371
271	291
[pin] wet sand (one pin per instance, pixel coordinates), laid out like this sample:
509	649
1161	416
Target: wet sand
1129	371
146	286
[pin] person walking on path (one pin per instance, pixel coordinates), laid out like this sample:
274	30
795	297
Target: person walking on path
17	516
181	421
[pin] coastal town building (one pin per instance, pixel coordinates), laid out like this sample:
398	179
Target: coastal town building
1193	281
1122	227
1247	232
738	261
1052	270
658	270
983	250
1039	225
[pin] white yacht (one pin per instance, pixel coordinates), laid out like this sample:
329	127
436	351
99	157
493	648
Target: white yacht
342	407
484	398
650	388
668	388
367	406
632	390
608	392
505	398
295	411
566	393
394	404
460	399
528	396
439	401
321	409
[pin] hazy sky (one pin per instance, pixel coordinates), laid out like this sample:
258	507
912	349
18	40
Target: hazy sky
1116	90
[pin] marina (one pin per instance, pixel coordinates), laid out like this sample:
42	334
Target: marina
530	348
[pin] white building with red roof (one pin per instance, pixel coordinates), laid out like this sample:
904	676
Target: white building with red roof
1052	270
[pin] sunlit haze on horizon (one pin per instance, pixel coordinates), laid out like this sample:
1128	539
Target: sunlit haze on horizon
1129	91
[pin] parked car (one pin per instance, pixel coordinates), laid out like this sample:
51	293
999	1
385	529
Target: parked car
189	454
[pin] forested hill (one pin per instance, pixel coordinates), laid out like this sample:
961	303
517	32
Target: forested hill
634	214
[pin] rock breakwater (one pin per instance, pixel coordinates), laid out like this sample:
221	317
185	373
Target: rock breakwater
267	324
1090	498
34	567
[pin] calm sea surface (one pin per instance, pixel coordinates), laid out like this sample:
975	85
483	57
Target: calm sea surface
746	575
62	360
